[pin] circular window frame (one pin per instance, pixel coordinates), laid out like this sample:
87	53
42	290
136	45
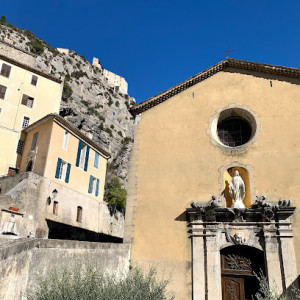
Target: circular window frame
220	115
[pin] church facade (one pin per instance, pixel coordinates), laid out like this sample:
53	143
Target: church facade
230	131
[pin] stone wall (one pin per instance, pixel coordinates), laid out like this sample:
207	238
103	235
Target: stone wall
23	261
17	54
31	194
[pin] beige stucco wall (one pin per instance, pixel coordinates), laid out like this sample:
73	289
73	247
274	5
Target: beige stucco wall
175	163
47	97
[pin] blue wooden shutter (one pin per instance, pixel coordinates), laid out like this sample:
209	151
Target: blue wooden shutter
78	153
58	167
91	184
97	188
86	158
68	173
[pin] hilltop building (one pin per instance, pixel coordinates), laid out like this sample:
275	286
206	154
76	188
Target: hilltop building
26	95
58	192
232	127
118	83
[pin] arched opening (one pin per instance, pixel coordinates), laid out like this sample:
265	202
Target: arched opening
228	174
239	264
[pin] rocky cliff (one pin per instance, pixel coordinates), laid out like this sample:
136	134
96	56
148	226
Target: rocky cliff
88	101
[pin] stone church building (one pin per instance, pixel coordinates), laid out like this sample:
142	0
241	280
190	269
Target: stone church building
231	131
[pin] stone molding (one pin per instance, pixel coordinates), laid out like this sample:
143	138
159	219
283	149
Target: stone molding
265	226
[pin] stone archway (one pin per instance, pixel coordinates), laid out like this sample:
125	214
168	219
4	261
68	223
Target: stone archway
239	264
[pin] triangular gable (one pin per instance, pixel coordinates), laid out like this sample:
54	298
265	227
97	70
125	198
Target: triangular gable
229	62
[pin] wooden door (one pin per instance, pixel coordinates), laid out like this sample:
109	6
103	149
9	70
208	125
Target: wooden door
233	288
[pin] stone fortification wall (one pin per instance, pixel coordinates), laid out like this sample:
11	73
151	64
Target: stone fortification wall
21	262
17	54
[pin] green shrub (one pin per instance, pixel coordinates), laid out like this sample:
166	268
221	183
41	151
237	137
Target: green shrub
265	293
117	104
101	127
84	102
110	102
79	283
67	92
112	126
120	133
78	74
3	20
115	194
108	130
36	47
127	140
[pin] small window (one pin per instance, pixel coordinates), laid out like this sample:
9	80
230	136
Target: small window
34	80
27	101
94	186
234	131
63	170
55	207
0	111
20	147
79	214
82	158
66	139
2	91
96	160
5	70
34	140
25	122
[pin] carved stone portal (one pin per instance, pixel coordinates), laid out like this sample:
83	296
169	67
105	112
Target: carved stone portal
264	227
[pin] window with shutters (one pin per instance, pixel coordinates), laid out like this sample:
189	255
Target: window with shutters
79	214
34	80
63	170
82	156
96	160
25	122
5	70
34	141
2	91
94	186
27	101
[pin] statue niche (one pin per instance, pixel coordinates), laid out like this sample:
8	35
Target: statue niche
237	188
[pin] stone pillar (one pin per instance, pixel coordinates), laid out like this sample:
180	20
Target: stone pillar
273	259
289	267
213	268
198	264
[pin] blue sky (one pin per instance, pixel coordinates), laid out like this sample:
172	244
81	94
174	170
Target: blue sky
157	44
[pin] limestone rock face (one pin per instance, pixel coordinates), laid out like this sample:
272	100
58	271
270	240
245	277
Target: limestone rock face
92	105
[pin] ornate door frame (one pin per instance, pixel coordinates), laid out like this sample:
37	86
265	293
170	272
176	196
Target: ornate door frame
265	227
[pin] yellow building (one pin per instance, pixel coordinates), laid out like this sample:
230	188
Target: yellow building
57	150
58	192
26	95
190	141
